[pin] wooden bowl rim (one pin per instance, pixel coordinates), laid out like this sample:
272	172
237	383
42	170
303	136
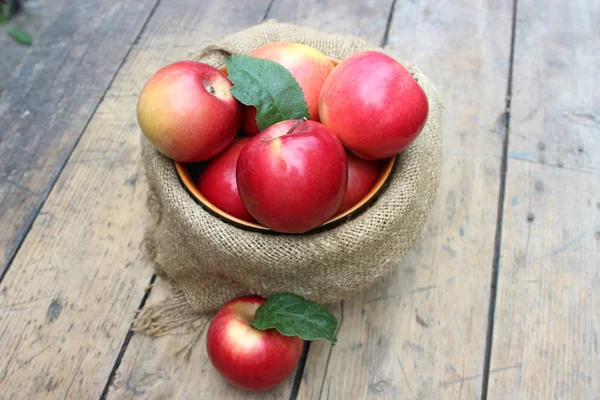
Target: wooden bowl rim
384	175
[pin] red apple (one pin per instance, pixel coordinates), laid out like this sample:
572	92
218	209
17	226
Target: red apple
373	104
187	111
245	356
309	66
292	176
362	175
219	184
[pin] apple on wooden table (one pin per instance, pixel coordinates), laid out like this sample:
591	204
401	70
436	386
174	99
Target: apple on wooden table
186	110
245	356
256	343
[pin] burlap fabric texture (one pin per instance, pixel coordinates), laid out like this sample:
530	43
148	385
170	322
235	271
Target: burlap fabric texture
209	261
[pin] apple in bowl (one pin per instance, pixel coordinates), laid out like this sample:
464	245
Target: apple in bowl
292	176
307	65
373	104
218	182
186	110
362	177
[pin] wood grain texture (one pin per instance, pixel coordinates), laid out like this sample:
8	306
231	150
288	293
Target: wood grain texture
68	299
365	19
35	18
152	368
556	96
546	329
67	302
546	326
422	333
48	101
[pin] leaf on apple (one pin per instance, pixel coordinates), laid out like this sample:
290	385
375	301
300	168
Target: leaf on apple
292	315
269	87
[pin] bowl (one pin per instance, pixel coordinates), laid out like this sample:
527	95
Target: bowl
189	173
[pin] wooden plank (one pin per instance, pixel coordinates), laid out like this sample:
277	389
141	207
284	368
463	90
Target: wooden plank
556	105
545	341
422	333
151	368
365	19
34	19
47	103
68	300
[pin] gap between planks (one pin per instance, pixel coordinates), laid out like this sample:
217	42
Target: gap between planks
500	215
113	372
388	25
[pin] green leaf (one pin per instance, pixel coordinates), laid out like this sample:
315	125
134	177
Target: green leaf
20	36
4	12
292	315
269	87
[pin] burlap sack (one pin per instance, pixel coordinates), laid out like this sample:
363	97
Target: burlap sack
209	261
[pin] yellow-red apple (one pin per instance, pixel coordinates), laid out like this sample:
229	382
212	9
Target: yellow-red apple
308	65
362	175
245	356
293	175
186	110
373	104
218	183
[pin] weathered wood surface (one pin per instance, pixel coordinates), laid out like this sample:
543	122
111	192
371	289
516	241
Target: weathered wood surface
67	302
34	19
556	96
49	100
546	328
68	299
151	368
422	334
365	19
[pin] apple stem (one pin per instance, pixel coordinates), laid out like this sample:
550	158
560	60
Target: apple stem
297	124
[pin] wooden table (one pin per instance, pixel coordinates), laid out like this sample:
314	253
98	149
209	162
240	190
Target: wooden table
498	299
